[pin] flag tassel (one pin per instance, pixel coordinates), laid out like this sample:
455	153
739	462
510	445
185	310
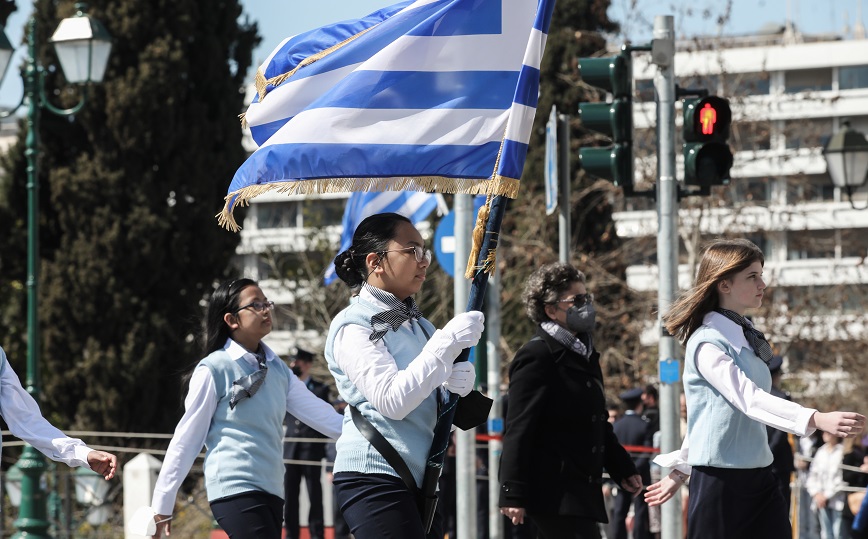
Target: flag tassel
476	245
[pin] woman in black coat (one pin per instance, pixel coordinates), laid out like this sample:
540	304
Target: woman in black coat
558	439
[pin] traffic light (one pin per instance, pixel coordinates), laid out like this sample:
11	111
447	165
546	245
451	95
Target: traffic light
615	119
707	158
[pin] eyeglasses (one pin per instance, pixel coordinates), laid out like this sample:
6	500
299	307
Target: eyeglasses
420	252
258	306
578	300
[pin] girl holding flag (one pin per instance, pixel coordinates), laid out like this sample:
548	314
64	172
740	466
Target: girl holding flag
391	366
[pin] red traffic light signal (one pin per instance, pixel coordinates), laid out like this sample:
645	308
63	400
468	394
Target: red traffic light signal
706	119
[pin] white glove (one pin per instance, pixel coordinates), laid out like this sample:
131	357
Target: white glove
461	332
462	379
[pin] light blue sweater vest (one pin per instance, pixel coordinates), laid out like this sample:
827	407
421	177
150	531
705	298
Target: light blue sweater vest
244	446
721	435
411	437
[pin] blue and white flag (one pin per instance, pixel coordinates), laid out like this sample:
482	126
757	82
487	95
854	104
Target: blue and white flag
428	95
415	206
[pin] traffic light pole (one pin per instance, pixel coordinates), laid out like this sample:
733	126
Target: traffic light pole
663	55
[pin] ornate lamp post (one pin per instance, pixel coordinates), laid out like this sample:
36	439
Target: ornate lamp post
847	160
82	45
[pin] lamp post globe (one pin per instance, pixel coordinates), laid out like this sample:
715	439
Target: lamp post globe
846	157
83	46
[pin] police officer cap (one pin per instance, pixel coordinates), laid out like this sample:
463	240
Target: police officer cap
303	355
631	394
775	363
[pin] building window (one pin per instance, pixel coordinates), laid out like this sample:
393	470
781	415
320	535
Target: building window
854	243
805	244
808	80
751	136
708	81
644	90
810	188
852	77
813	133
277	214
746	84
751	190
320	212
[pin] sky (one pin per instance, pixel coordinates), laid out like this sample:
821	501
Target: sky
278	19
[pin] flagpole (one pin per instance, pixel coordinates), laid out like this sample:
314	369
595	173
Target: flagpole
478	283
465	441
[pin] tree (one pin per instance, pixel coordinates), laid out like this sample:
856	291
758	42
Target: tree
130	186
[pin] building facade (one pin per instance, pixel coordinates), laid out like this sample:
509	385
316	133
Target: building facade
789	94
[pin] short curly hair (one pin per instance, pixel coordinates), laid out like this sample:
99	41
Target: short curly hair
545	286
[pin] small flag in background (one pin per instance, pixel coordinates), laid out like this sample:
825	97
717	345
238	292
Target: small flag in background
415	206
430	95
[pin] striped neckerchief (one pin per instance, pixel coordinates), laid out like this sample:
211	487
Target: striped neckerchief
755	337
398	312
565	338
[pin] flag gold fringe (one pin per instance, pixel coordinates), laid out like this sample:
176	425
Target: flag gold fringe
500	185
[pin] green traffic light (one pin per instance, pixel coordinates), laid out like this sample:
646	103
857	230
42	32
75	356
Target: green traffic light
613	163
614	119
613	74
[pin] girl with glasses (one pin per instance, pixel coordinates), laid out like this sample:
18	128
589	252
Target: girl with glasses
557	437
390	365
727	379
238	397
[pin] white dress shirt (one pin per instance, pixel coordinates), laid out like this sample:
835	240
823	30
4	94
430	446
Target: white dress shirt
25	421
725	376
369	365
200	405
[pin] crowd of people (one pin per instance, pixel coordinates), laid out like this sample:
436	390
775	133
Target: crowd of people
267	426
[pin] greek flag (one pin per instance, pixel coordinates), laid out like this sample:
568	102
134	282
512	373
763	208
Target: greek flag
415	206
428	95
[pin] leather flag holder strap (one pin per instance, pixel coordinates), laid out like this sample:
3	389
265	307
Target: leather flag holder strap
427	506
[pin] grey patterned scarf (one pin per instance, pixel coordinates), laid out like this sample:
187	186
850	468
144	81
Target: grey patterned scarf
566	338
755	337
247	386
399	312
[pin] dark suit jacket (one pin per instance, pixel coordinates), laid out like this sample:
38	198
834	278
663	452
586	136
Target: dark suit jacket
557	438
296	429
631	429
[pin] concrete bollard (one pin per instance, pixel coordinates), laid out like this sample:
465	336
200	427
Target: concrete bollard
140	478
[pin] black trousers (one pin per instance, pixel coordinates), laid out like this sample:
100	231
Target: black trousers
379	506
292	488
565	527
728	503
250	515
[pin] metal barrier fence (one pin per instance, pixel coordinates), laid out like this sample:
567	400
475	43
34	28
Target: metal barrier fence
71	519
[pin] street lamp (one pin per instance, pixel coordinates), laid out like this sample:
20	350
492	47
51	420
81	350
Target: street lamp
847	160
91	490
82	45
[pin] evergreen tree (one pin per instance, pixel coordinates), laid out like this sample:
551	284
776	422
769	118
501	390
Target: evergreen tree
130	186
